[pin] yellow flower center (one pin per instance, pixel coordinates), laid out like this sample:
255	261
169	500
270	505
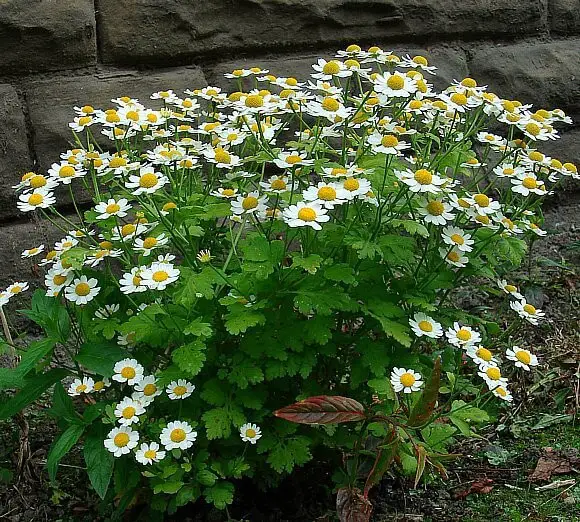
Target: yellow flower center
483	220
330	104
332	67
435	208
254	101
228	192
510	288
293	159
180	390
337	171
482	200
523	356
222	156
128	372
117	162
508	172
415	104
81	388
150	454
533	128
112	208
529	183
149	390
66	171
327	193
453	256
493	373
177	435
35	199
457	239
500	391
469	82
129	412
99	385
128	229
396	82
484	354
121	440
85	120
159	276
150	242
169	206
278	184
570	167
389	141
536	156
423	177
530	309
87	109
249	203
556	164
16	289
351	184
463	334
407	380
112	117
250	433
459	99
307	214
37	181
82	289
425	326
148	180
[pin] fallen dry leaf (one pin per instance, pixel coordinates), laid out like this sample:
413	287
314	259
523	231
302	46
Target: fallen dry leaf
554	462
478	487
556	485
352	506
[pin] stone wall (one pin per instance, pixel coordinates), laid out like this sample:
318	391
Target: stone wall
58	53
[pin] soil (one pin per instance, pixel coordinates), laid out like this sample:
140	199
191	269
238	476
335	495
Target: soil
490	480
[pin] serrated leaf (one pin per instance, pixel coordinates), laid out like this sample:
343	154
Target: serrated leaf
100	357
239	322
190	357
340	272
220	494
309	263
323	409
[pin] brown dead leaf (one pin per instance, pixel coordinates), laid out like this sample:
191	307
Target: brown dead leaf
352	506
554	462
478	487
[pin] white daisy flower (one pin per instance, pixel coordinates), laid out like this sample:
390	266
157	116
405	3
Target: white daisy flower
150	243
159	275
128	411
509	289
395	85
180	389
481	356
149	453
112	208
492	377
289	160
132	282
421	180
222	158
17	288
436	211
503	393
56	279
387	143
31	252
121	440
527	311
327	194
328	70
356	187
147	389
107	311
66	244
39	198
129	371
484	205
462	336
250	433
456	237
80	386
64	172
128	339
508	170
178	435
226	193
454	257
528	183
249	204
406	381
521	357
101	386
82	290
305	214
423	325
491	139
147	181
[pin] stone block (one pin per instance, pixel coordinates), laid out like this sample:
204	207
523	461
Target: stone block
157	31
564	16
545	74
15	157
41	35
51	102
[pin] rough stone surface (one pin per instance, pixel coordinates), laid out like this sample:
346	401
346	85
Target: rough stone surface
41	35
545	74
152	31
51	103
451	63
15	157
567	148
564	16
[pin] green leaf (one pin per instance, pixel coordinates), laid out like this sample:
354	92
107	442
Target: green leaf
245	372
290	453
100	357
61	447
196	286
340	272
50	314
190	357
168	487
412	227
63	406
220	494
100	462
10	379
399	250
324	301
469	414
438	436
32	390
309	263
198	328
217	423
424	407
239	321
35	352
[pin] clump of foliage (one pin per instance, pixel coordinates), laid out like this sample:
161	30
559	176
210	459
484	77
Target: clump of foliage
287	240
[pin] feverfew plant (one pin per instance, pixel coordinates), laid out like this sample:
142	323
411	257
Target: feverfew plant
289	239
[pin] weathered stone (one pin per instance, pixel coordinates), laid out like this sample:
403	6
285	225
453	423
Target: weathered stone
564	16
17	237
40	35
51	103
545	74
154	31
566	149
15	157
451	65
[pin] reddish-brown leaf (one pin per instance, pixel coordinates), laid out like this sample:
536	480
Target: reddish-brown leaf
479	487
424	407
352	506
323	409
554	462
385	456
